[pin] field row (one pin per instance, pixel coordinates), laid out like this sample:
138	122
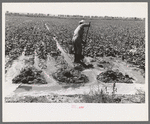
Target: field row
115	38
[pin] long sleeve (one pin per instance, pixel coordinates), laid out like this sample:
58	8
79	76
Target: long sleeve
80	30
85	25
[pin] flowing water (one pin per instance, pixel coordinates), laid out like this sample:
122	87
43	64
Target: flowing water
54	87
65	55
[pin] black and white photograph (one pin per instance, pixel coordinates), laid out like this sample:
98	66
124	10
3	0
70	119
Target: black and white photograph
75	53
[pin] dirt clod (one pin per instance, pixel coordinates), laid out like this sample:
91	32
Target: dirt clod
29	76
111	76
72	75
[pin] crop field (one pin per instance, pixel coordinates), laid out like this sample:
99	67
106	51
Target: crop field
115	38
118	39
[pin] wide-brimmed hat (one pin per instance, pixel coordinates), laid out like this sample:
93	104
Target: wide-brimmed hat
82	21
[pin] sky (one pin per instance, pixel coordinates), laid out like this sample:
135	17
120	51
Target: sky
114	9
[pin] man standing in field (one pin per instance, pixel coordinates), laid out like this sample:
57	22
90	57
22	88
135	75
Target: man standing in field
77	41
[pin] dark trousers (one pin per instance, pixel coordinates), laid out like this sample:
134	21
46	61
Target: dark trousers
77	49
78	57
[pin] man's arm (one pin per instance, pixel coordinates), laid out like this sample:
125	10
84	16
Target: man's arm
85	25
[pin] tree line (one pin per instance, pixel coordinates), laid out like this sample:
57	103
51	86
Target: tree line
73	16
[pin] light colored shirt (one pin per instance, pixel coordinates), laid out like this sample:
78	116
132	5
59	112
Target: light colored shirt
80	30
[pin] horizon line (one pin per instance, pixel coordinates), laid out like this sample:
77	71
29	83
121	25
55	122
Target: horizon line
75	15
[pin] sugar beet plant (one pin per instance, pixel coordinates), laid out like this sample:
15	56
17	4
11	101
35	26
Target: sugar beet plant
117	38
28	37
